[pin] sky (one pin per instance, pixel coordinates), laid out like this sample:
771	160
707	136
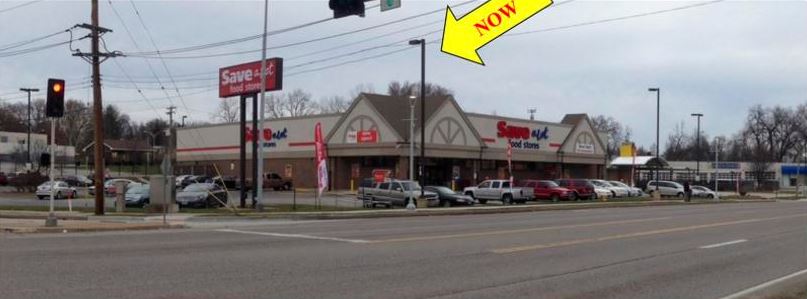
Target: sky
719	58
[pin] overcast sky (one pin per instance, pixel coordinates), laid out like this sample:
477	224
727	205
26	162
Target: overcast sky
718	59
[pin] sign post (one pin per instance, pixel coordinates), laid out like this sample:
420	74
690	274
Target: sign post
244	80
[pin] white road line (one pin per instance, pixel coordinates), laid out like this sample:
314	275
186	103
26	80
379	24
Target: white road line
753	289
723	244
299	236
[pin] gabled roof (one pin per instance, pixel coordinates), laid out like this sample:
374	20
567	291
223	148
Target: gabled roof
394	109
123	145
575	120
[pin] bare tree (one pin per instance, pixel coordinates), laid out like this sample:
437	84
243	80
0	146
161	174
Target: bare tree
299	103
617	132
75	122
333	104
274	105
407	88
359	89
227	111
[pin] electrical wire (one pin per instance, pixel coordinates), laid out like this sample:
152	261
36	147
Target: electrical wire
19	6
31	41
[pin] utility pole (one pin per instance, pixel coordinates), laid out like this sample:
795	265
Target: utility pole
657	90
98	106
698	147
28	142
258	205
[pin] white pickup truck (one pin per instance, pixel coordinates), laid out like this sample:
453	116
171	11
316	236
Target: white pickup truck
500	190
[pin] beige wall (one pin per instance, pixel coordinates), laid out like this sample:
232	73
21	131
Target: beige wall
363	117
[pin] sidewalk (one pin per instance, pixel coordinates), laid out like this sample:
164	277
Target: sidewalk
34	222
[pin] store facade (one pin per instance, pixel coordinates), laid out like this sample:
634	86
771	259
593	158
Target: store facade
373	136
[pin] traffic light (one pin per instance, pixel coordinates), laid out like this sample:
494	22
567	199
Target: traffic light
54	106
344	8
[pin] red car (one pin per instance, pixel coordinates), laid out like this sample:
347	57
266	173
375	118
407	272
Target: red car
548	190
581	189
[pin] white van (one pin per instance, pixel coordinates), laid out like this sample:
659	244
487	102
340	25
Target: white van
666	188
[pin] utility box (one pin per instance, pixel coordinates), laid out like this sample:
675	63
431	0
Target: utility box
163	192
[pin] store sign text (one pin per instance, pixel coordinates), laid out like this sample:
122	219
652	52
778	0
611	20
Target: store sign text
270	137
522	137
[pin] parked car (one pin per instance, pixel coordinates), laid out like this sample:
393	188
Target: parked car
395	193
632	191
582	189
703	192
543	189
276	182
202	195
61	190
602	193
138	195
665	188
179	179
77	180
500	190
109	187
616	191
448	197
3	179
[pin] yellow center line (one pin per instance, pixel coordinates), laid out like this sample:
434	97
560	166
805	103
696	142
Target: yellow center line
637	234
514	231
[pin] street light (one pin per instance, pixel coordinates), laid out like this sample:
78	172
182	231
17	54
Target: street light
422	43
698	147
658	117
28	142
412	101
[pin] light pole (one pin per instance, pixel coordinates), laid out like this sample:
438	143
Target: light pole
412	101
28	142
717	151
183	120
698	147
422	43
658	117
148	160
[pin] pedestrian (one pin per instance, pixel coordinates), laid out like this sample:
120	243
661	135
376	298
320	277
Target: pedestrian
687	191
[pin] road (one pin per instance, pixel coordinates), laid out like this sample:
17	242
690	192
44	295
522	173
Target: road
694	251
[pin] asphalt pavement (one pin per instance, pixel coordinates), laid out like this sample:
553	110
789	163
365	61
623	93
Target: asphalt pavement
693	251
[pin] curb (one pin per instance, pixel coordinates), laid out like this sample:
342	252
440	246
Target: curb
42	217
462	211
30	230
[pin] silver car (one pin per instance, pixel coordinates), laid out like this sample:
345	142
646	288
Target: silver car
632	191
616	191
665	188
703	192
61	190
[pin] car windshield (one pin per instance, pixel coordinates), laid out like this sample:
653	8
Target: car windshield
443	189
196	188
600	184
410	186
551	184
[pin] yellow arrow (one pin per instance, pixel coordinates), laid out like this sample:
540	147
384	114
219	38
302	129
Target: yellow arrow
463	37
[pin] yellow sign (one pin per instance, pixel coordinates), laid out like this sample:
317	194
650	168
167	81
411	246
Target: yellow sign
463	37
627	150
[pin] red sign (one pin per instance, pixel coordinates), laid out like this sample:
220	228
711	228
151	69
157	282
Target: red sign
245	78
367	136
512	132
380	175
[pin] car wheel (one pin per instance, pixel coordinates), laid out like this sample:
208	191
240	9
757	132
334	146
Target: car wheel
710	196
40	197
680	195
483	201
446	204
507	199
287	186
613	194
554	198
573	196
595	196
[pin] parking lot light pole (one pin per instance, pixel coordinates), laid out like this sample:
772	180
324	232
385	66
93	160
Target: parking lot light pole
422	168
698	147
412	102
658	117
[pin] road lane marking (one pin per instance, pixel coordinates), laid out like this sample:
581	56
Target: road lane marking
758	287
637	234
298	236
514	231
723	244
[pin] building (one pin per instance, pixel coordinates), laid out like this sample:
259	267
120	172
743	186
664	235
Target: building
14	149
373	136
124	152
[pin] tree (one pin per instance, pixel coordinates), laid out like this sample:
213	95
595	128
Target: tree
116	124
299	103
359	89
407	88
228	111
617	132
77	119
333	104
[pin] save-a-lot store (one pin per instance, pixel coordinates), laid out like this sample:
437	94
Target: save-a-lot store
373	136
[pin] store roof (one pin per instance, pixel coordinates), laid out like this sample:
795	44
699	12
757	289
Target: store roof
650	161
395	109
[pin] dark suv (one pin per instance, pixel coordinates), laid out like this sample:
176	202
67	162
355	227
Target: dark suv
581	188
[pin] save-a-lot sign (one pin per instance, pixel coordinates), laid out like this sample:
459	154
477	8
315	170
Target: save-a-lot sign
244	79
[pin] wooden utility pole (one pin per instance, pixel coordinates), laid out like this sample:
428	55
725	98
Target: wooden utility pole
98	106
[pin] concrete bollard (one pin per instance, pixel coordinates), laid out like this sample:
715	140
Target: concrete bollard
120	196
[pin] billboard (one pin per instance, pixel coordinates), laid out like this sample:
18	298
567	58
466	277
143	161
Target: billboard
244	79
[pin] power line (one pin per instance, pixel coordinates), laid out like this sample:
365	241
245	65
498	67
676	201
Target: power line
180	50
19	6
31	41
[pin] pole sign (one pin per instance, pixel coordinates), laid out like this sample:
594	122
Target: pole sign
244	79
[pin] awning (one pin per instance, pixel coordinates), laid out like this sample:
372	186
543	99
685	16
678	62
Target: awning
645	161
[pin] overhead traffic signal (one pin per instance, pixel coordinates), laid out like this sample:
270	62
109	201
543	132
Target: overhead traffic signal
54	106
344	8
